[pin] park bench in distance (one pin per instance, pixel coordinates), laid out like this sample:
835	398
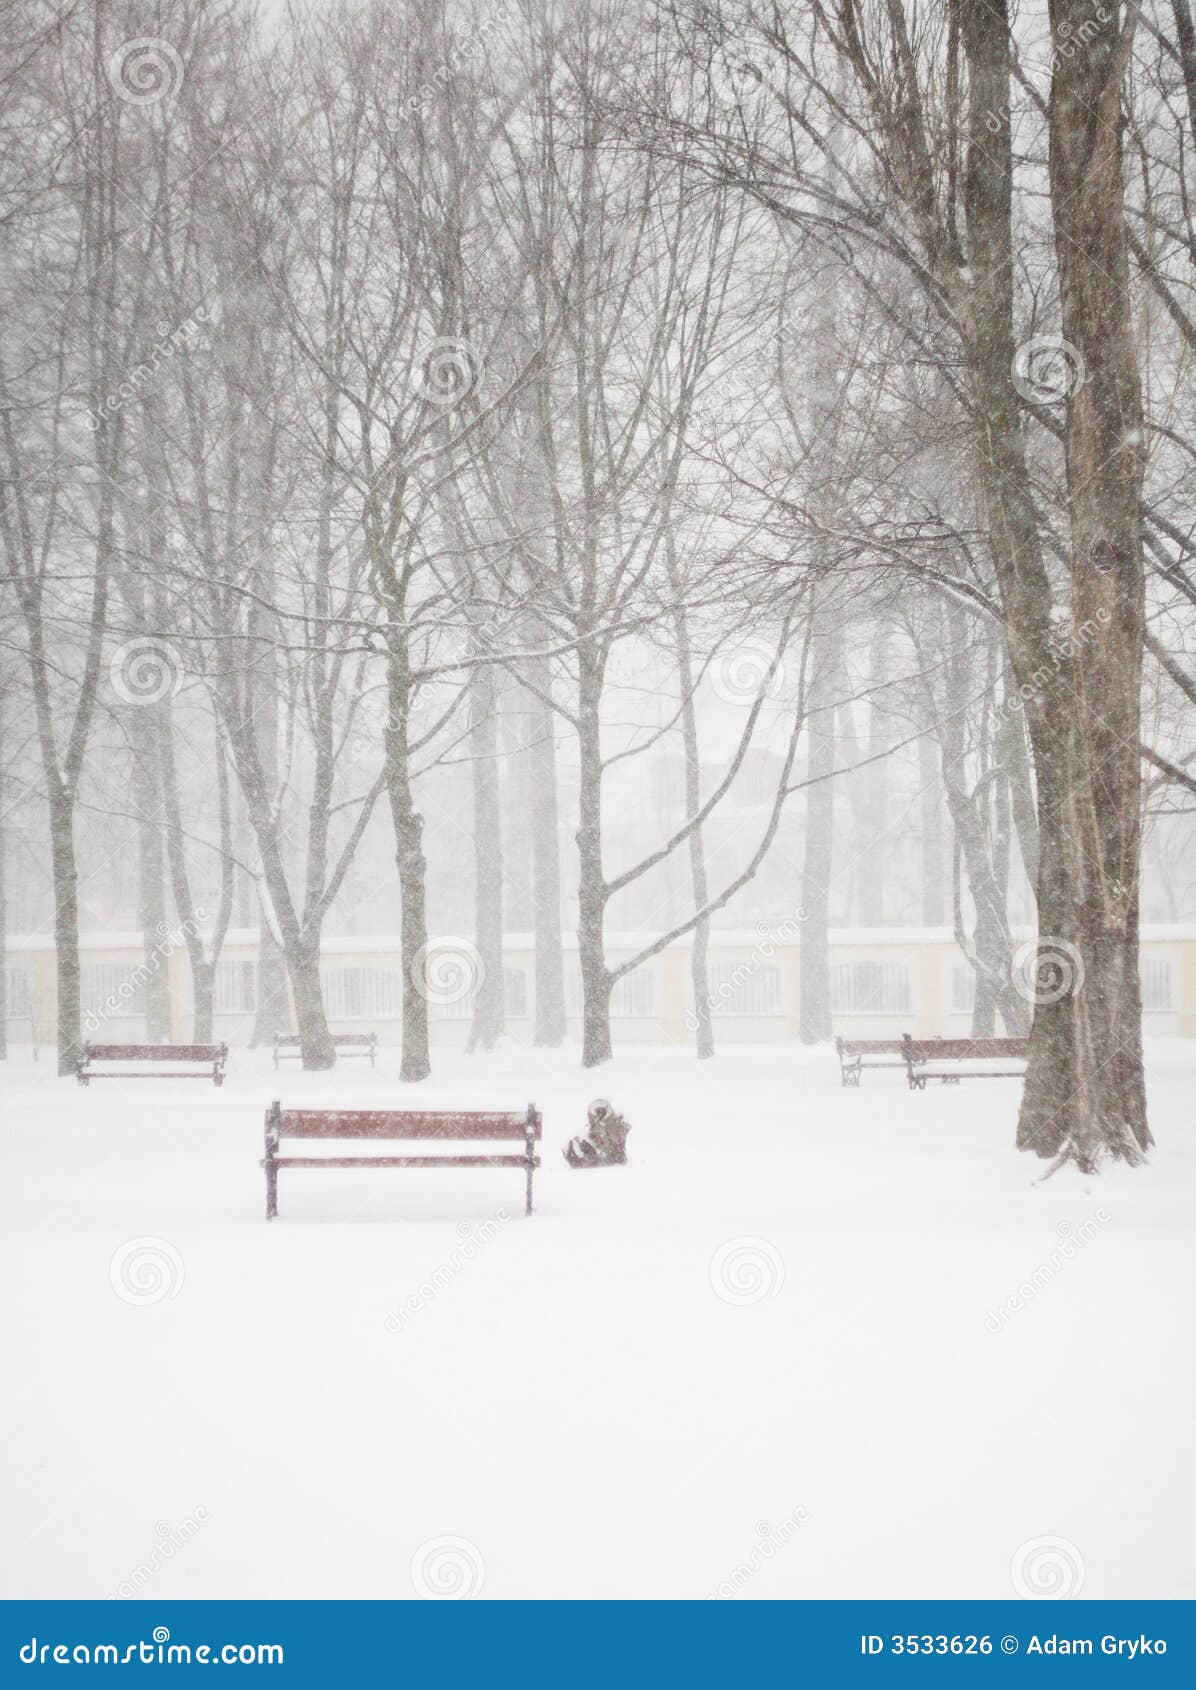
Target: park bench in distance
943	1060
459	1125
346	1044
148	1058
857	1054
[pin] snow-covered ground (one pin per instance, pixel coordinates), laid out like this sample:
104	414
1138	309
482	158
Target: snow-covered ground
812	1342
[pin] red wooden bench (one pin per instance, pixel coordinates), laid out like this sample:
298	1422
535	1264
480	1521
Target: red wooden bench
287	1045
857	1054
213	1058
466	1125
924	1057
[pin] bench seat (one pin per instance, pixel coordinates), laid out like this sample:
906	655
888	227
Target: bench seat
288	1046
950	1060
148	1057
857	1054
437	1126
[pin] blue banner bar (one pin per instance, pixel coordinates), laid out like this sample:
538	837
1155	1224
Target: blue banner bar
608	1645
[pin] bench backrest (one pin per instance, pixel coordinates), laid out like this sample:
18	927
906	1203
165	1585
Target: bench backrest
293	1039
155	1053
953	1050
406	1123
868	1047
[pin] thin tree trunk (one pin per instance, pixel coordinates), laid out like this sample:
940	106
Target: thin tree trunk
1015	759
814	957
4	905
596	983
300	941
66	930
548	956
873	853
272	1006
933	863
700	946
151	898
202	961
486	1027
412	868
990	952
1186	35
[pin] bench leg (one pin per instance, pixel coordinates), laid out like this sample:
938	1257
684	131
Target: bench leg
273	1122
530	1153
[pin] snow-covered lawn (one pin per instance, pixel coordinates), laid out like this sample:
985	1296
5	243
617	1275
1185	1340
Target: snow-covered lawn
919	1361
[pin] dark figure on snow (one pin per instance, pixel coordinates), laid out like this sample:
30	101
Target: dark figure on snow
604	1144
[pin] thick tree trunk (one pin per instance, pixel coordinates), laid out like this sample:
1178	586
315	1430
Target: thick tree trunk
596	987
814	1015
486	1026
272	1008
1085	1092
591	884
412	869
1084	1096
203	983
315	1040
